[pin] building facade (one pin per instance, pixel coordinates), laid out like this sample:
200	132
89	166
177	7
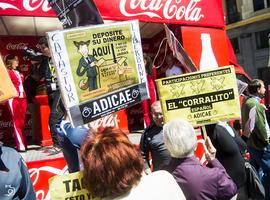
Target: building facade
248	27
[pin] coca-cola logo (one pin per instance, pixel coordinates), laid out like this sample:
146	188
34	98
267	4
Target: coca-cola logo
39	177
32	5
107	121
5	124
29	5
19	46
170	9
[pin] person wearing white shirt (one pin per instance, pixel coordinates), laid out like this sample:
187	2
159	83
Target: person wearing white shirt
113	169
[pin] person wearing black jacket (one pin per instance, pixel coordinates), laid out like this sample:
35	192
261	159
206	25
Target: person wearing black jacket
53	92
152	142
230	151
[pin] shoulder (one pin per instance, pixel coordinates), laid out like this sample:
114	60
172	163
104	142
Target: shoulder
161	175
82	59
10	153
149	128
9	150
160	185
11	72
251	101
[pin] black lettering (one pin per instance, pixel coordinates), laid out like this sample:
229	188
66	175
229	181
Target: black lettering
57	47
67	182
83	183
202	114
76	185
200	100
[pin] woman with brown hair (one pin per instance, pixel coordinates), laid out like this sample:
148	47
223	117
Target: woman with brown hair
113	169
17	105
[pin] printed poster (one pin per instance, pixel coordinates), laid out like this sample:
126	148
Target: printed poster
102	64
7	89
204	97
69	187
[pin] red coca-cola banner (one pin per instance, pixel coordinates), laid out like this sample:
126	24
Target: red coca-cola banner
189	12
41	171
39	8
14	45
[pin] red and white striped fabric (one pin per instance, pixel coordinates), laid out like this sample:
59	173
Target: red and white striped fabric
17	107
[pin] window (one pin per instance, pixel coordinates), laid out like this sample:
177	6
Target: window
258	4
235	45
232	13
262	39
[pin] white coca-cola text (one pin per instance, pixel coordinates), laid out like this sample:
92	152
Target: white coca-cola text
31	5
170	9
19	46
5	124
106	121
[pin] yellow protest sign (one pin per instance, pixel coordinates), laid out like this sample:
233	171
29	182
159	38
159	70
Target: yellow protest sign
100	69
69	187
7	89
201	97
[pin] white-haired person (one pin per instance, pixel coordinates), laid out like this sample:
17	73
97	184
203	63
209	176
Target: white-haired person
196	181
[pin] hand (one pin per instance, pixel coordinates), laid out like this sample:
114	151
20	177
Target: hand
209	149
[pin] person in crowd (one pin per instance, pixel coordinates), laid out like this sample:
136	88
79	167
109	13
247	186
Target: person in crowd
230	153
152	141
196	181
15	181
258	141
70	140
113	169
54	98
174	67
17	105
152	90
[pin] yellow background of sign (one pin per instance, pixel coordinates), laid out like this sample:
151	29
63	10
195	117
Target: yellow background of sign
182	96
119	73
58	189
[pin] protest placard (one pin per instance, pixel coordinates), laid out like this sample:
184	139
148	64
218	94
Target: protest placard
69	187
102	64
201	98
7	89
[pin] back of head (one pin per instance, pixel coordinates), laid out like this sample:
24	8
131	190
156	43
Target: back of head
254	85
180	138
112	165
43	41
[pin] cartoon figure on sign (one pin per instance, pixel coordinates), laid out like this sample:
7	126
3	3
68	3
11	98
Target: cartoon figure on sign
87	64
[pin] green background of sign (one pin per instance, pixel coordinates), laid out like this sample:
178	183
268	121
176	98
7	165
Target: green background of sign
74	57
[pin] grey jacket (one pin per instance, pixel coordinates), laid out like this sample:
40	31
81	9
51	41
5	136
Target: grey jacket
15	181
